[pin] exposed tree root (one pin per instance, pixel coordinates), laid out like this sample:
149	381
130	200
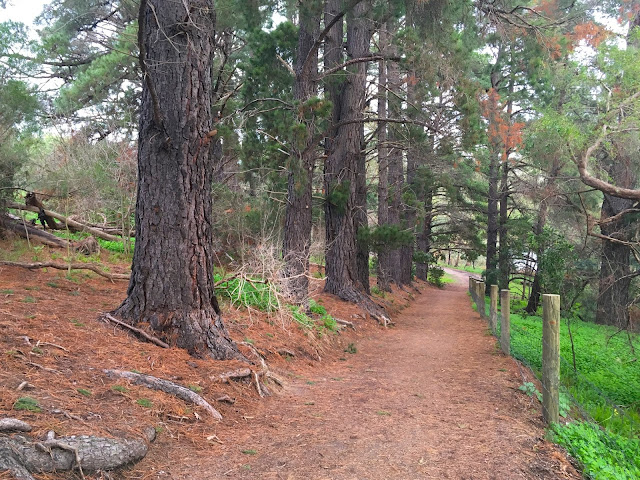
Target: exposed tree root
21	456
166	386
110	318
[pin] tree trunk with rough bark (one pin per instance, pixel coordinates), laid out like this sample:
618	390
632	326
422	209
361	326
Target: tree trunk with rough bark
384	264
409	213
298	218
345	162
396	167
172	283
615	271
504	254
424	236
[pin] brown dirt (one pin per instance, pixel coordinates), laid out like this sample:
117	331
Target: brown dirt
429	398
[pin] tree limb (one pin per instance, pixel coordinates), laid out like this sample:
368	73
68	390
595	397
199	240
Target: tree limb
81	227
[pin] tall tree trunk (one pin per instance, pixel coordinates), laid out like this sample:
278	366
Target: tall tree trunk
384	263
615	272
396	167
172	284
298	219
424	237
503	254
543	211
345	163
492	217
409	206
536	286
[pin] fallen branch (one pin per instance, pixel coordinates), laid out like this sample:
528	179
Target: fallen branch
27	231
142	333
344	322
81	227
72	266
166	386
38	343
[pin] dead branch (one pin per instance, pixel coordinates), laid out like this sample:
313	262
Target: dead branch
73	266
344	322
38	343
27	231
166	386
81	227
142	333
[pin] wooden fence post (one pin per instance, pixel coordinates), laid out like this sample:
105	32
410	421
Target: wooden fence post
493	309
474	290
505	327
550	358
480	302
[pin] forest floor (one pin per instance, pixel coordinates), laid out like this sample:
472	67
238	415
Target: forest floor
430	397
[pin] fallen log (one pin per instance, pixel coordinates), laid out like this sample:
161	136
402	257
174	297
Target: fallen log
67	266
73	224
26	230
22	456
166	386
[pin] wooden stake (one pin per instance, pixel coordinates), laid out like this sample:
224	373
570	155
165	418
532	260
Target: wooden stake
505	327
493	309
550	358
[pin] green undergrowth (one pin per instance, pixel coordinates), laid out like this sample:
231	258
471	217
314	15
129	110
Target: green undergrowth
604	389
248	292
603	455
323	323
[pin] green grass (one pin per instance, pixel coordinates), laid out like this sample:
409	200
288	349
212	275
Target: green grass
469	269
604	389
253	292
27	403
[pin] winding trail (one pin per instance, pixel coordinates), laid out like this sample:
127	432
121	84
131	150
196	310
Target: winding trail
430	398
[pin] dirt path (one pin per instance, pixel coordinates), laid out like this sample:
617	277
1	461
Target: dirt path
430	398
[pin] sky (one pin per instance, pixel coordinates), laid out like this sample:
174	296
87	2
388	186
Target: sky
22	10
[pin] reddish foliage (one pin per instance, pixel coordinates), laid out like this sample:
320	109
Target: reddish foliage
501	132
592	34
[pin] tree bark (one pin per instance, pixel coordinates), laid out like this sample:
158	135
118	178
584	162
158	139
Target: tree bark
504	254
345	162
396	168
172	284
409	213
615	272
22	456
384	263
298	218
424	237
